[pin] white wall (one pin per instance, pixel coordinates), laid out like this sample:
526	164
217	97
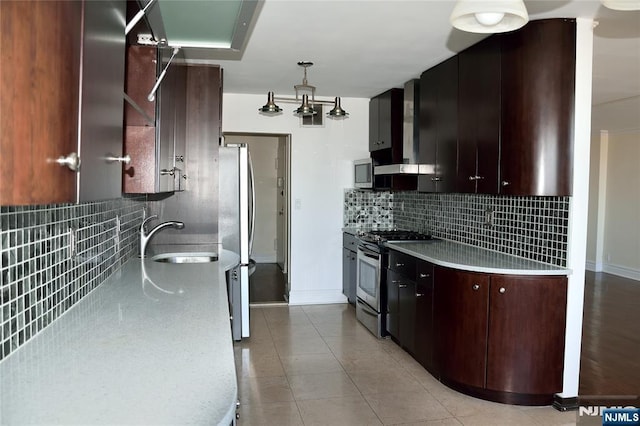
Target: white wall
321	168
622	212
614	211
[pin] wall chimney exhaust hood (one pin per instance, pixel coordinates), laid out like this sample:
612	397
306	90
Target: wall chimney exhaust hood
410	137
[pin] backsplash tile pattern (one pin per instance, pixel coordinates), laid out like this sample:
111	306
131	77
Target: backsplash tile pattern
535	228
368	209
41	276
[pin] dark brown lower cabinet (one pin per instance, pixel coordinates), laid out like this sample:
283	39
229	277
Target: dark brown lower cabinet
500	337
401	309
424	340
461	319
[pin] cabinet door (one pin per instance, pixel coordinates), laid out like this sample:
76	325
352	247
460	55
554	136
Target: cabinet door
479	118
39	86
447	146
424	316
346	271
428	131
538	83
407	311
393	304
103	57
353	265
180	127
374	119
165	136
439	126
526	334
461	308
384	121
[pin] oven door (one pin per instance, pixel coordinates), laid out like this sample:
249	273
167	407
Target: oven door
368	275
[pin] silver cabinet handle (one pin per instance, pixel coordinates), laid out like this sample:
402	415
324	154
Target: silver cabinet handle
476	287
424	275
169	172
419	294
126	159
399	265
505	183
436	179
72	161
472	178
502	290
402	286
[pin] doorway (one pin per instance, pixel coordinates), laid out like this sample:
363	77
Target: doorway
270	157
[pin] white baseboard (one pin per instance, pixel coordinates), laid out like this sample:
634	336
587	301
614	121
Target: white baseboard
316	297
593	266
621	271
264	258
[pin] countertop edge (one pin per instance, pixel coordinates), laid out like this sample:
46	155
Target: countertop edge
544	270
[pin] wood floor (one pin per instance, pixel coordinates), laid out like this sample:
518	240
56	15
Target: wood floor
267	284
610	361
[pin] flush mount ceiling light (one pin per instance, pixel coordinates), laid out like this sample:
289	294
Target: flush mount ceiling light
479	16
622	4
305	95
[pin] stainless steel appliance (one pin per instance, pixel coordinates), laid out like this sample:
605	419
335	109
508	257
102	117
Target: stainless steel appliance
371	283
236	218
363	173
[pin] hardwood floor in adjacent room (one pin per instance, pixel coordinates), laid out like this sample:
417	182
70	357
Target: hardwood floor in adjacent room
610	361
267	284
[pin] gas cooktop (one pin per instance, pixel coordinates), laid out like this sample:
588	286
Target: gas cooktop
376	236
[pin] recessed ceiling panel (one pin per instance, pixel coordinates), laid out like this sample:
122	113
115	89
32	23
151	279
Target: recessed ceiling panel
200	23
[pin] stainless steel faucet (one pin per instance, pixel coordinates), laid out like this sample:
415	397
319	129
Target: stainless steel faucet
146	236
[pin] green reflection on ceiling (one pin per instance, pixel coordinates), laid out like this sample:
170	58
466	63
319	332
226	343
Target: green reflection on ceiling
200	22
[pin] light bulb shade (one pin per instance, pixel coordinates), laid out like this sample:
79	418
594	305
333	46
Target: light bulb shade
305	109
337	111
491	16
270	107
622	4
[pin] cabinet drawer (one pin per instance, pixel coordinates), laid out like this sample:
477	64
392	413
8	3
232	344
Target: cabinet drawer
402	264
424	273
349	241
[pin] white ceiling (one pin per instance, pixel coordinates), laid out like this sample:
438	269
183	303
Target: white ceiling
363	47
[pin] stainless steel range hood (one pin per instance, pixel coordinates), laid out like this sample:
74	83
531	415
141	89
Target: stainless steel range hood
410	137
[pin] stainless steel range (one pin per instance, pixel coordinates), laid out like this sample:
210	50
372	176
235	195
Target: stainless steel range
371	290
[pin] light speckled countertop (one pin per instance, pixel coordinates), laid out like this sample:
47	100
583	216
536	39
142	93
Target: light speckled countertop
133	351
470	258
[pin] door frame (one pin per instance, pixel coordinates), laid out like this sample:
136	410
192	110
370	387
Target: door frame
286	137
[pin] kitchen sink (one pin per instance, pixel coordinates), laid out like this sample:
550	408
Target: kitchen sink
202	257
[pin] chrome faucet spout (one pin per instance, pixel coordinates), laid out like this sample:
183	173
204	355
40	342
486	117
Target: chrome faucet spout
145	236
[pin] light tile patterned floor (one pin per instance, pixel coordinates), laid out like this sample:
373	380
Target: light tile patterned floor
316	365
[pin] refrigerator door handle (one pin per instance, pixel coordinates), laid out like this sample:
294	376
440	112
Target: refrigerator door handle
252	223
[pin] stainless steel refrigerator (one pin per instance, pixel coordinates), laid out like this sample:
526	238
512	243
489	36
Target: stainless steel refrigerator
236	218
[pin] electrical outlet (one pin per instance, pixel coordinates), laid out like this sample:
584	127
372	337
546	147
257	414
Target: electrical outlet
488	217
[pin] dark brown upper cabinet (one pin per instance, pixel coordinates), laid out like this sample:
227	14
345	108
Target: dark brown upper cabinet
42	40
61	95
479	118
154	134
439	126
385	126
538	91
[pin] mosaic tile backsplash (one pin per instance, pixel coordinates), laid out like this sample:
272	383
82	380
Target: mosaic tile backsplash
52	256
534	228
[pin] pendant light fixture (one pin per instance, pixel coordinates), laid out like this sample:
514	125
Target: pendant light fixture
491	16
622	4
305	94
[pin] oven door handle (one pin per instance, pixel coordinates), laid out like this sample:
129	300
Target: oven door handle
368	253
